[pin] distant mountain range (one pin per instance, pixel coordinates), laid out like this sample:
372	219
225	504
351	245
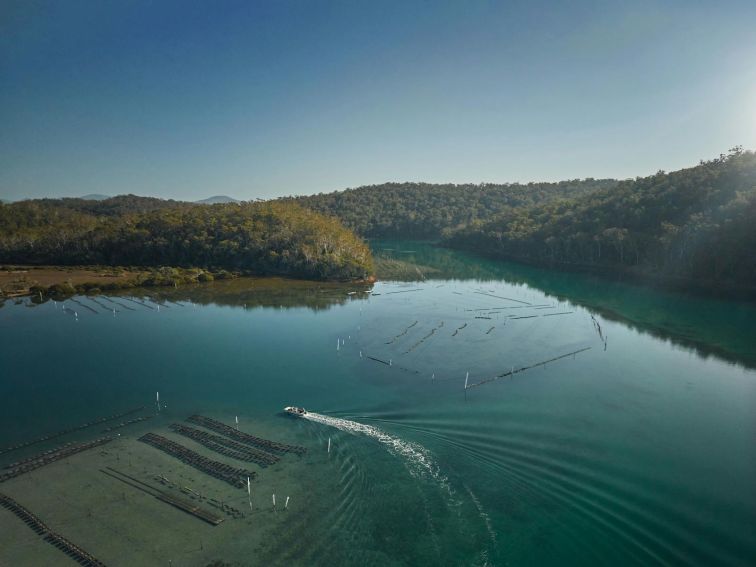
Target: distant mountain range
209	201
95	197
217	199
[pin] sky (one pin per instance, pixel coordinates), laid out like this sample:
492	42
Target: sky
259	99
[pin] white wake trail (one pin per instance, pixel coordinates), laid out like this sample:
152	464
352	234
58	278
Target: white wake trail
486	519
416	457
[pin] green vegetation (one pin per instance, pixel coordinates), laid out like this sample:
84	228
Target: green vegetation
696	226
425	210
58	281
254	238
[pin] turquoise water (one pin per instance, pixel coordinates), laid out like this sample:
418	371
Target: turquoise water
637	449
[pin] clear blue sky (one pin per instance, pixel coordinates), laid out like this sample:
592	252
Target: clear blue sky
259	99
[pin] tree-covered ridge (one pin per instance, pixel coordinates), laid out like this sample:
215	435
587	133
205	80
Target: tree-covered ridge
696	223
263	238
426	210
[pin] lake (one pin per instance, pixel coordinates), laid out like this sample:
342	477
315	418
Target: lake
602	423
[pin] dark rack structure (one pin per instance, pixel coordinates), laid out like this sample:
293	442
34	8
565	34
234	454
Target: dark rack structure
234	476
127	423
38	526
69	430
245	438
27	465
180	503
226	446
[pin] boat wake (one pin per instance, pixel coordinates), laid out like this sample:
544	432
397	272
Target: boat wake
487	521
417	458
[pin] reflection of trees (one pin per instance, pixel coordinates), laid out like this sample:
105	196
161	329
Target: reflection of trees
260	292
706	326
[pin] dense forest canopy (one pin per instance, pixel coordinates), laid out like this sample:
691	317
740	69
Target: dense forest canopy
697	223
426	210
264	238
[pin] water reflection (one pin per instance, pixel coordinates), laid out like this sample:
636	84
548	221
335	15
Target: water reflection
706	326
247	293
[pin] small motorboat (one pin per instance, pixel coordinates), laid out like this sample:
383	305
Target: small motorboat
293	410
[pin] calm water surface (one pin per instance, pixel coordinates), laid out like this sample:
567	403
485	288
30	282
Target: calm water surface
635	446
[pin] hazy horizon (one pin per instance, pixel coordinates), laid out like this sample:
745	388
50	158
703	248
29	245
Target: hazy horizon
263	100
210	195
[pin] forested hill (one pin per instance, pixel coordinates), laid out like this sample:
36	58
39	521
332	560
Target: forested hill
425	210
110	206
698	224
263	238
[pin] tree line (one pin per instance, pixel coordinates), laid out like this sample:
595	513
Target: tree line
696	224
429	211
262	238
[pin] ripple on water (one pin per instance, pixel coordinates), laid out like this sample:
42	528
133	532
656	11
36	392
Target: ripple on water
584	487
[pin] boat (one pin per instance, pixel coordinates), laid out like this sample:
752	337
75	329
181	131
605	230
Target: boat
293	410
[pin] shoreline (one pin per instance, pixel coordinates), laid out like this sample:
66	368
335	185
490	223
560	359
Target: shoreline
17	280
679	284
